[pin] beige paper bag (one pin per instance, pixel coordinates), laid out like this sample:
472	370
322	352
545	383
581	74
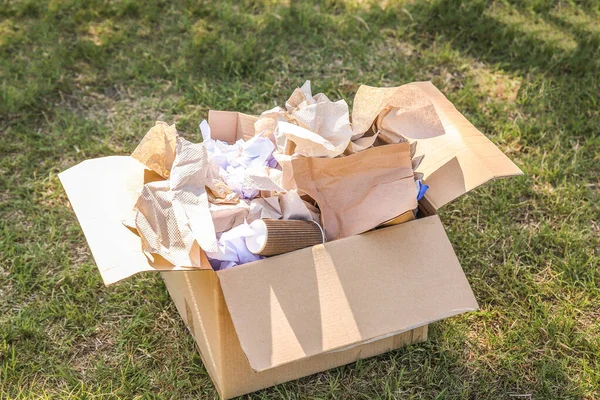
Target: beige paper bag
361	191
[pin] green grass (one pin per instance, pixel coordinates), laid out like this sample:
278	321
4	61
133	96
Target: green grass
83	79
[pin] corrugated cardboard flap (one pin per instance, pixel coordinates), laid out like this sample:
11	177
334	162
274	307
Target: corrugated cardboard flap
459	160
345	292
103	192
230	126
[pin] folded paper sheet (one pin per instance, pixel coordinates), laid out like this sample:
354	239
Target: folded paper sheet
358	192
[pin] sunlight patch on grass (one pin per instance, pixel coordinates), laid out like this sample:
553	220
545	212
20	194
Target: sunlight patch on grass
8	31
586	21
101	33
498	85
534	27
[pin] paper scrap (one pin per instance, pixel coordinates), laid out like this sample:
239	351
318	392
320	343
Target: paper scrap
264	208
227	216
293	207
205	130
329	123
266	125
312	144
361	144
157	149
399	113
192	172
287	172
220	193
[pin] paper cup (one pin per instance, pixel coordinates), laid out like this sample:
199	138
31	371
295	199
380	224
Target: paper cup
278	236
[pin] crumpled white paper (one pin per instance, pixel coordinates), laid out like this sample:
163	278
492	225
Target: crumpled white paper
264	208
232	248
322	127
242	165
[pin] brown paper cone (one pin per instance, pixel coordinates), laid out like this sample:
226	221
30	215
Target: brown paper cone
275	236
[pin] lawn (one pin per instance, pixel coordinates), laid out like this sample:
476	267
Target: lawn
83	79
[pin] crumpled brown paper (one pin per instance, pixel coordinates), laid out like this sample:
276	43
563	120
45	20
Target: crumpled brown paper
358	192
227	216
399	114
361	144
157	149
220	193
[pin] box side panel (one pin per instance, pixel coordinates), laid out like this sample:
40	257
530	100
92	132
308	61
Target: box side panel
239	378
345	292
230	126
195	295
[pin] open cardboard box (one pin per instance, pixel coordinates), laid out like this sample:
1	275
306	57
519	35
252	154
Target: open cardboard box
284	317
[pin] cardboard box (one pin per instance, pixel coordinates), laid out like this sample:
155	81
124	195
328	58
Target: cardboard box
284	317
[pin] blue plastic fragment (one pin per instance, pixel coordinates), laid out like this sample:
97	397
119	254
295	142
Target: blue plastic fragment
422	189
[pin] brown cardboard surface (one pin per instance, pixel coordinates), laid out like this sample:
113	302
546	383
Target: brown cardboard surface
230	126
103	192
345	292
200	302
197	296
460	159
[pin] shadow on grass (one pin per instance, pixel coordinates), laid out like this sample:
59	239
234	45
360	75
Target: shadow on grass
555	56
514	40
